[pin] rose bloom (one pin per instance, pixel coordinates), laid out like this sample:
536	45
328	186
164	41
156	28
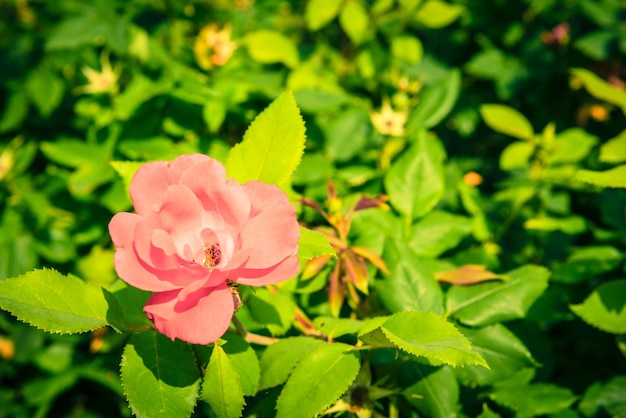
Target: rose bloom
194	235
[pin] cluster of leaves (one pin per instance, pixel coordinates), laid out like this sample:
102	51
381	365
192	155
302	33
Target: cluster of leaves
465	161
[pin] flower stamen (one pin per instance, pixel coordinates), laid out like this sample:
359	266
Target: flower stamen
212	255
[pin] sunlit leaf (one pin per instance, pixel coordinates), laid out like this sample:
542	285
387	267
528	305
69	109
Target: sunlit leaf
614	150
272	146
437	14
313	244
605	307
506	120
614	177
430	336
56	303
355	21
320	12
269	46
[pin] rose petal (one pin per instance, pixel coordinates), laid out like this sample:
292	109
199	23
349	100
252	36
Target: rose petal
128	266
201	319
272	233
179	215
152	179
286	269
226	204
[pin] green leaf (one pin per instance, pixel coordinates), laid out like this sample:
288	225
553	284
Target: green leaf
411	285
72	152
436	102
313	244
415	182
272	146
437	232
319	13
160	376
15	111
487	303
437	14
431	336
571	225
435	392
587	262
605	307
337	327
501	349
516	155
615	177
274	311
506	120
347	134
571	146
407	49
214	113
62	304
245	362
269	46
600	89
46	91
610	397
221	386
614	150
279	359
533	400
329	369
355	21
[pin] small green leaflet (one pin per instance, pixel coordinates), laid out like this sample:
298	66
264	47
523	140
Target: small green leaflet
160	377
313	244
605	307
272	146
221	387
506	120
319	379
53	302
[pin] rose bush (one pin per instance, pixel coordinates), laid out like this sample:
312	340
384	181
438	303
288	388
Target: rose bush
194	235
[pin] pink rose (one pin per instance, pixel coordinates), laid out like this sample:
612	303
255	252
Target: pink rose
194	233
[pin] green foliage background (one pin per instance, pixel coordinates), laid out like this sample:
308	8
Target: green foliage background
529	94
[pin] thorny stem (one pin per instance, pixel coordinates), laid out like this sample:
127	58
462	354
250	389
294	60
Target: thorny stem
250	337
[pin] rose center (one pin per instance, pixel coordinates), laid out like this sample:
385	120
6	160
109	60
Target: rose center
212	255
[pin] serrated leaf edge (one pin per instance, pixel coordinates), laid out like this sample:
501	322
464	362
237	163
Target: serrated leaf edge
463	339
